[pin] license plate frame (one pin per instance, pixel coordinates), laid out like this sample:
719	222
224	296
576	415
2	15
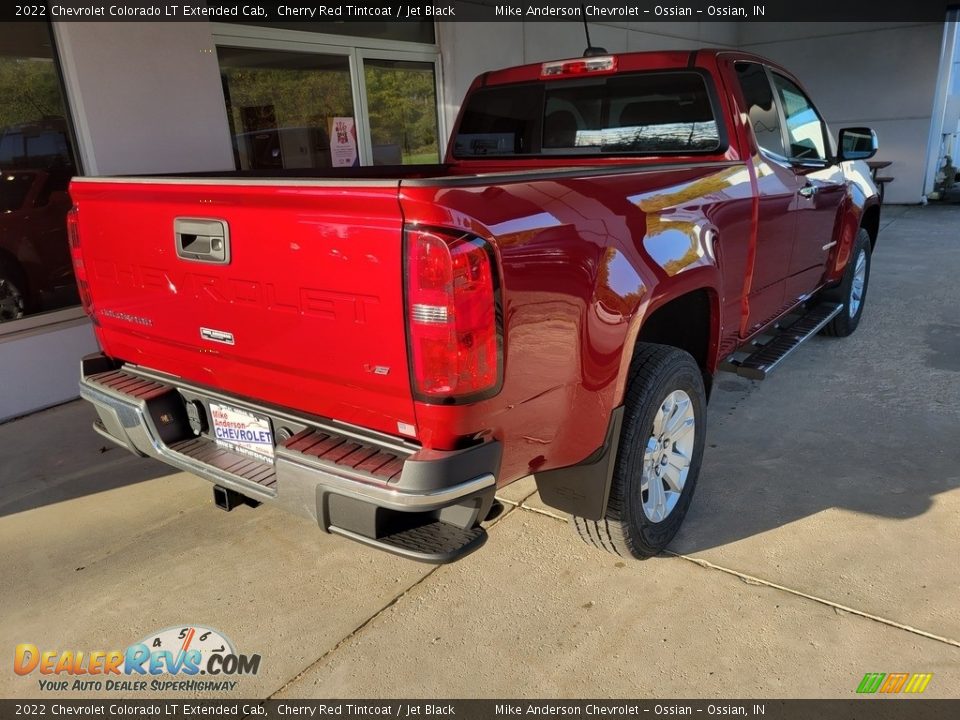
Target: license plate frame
242	432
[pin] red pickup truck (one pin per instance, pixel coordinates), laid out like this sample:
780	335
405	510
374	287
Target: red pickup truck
379	349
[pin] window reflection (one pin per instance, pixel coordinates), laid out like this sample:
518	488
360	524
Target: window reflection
654	112
36	164
804	127
402	98
289	109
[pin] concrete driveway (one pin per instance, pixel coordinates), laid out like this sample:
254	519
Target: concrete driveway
823	544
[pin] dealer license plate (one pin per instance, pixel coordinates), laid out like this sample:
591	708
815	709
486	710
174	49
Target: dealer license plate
242	432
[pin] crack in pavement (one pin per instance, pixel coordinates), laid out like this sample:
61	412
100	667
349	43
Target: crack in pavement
509	507
752	580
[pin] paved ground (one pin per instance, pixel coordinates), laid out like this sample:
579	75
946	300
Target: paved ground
822	544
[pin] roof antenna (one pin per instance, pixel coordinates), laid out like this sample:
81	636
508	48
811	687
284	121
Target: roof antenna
591	51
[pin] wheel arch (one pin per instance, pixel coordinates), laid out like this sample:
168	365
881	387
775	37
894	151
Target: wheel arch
689	321
870	221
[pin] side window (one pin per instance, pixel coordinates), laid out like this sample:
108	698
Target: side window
804	125
761	107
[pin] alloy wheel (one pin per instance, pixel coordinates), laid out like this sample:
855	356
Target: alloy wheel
667	458
859	283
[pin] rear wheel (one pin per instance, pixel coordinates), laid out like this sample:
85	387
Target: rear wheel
658	461
13	299
852	290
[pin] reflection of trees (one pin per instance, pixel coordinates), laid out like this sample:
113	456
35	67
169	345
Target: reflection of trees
693	191
403	108
300	98
672	229
401	101
663	137
30	91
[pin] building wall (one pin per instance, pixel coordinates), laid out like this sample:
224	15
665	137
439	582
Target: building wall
121	79
882	75
146	97
951	122
42	368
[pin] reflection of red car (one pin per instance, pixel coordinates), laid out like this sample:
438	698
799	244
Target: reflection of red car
35	269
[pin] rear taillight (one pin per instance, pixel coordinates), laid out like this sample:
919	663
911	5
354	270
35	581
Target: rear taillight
79	271
455	338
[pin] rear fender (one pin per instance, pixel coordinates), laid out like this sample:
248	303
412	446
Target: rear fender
703	280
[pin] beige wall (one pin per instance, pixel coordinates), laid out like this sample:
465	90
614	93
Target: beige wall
146	97
42	368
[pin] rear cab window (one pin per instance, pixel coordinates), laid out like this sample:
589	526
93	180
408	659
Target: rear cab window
646	113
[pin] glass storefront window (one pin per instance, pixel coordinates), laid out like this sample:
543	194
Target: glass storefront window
285	107
36	164
416	31
402	102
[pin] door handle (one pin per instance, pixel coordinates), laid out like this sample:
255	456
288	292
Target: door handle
202	240
808	190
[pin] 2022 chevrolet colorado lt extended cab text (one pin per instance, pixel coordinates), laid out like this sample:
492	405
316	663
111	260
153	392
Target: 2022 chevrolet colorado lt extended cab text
380	349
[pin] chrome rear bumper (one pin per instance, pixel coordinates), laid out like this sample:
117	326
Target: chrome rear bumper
349	480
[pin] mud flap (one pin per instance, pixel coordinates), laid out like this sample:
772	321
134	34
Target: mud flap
583	489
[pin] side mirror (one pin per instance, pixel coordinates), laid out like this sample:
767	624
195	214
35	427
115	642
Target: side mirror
859	143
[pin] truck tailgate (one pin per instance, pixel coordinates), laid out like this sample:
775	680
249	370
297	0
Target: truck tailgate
299	305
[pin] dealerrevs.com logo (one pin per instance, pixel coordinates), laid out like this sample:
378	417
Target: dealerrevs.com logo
168	660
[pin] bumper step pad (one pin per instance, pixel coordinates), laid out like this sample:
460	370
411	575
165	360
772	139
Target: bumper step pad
758	364
347	454
436	542
241	466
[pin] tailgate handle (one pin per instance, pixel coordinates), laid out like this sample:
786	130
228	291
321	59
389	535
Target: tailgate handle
202	240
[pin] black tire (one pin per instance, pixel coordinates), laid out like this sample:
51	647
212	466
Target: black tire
844	323
13	291
655	372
